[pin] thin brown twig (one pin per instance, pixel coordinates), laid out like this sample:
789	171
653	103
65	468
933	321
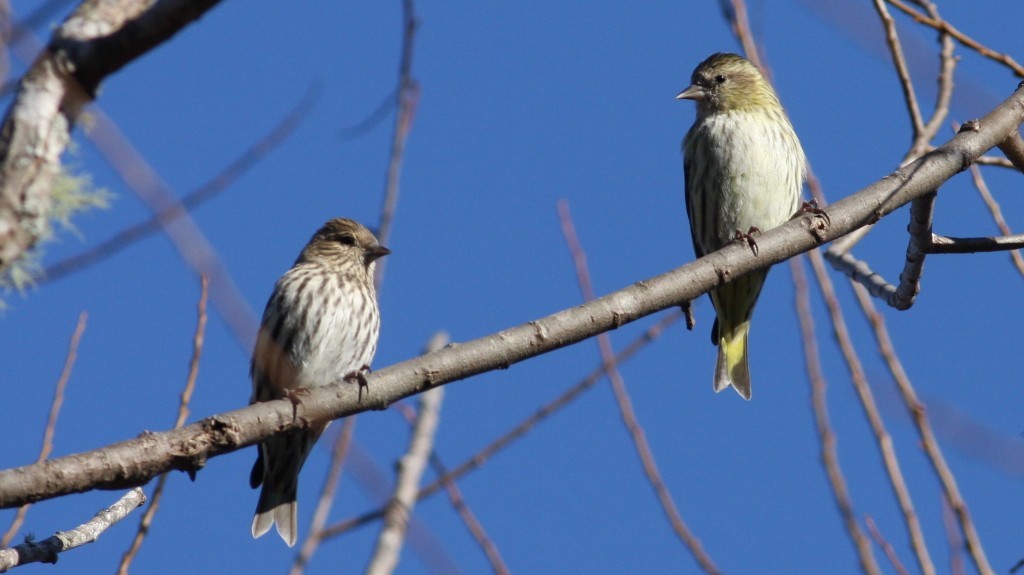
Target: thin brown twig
946	27
51	421
997	214
902	71
886	546
954	541
735	12
867	401
186	397
408	95
944	95
622	398
826	435
924	429
219	183
476	529
490	450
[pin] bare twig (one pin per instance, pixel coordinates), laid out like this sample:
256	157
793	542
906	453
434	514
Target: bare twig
902	71
408	95
947	28
948	245
1013	148
51	422
920	228
46	551
826	435
629	419
410	470
997	214
953	540
221	182
735	12
867	400
886	546
186	397
924	428
482	456
947	66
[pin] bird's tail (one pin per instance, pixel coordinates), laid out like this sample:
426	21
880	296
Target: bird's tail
277	469
277	506
732	368
734	306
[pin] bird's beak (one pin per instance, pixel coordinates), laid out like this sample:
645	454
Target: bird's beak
376	252
694	92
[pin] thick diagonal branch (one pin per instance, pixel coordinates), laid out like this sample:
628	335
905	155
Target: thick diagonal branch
136	461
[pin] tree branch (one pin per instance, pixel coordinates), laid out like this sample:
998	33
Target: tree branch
98	39
136	461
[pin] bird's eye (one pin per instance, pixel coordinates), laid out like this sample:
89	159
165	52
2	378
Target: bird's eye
347	239
720	79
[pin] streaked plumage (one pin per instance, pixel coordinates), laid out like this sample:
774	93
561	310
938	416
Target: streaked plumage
320	325
744	168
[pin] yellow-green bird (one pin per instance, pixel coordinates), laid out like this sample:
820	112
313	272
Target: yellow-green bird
744	171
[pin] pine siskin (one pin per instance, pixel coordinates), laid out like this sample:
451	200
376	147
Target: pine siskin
320	326
744	170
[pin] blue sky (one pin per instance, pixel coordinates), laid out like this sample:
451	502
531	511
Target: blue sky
523	105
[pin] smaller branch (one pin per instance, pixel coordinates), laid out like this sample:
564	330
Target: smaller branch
947	66
867	400
219	183
921	211
735	12
860	272
51	422
490	450
922	423
408	95
826	435
946	27
952	245
410	470
476	529
886	546
892	38
953	540
994	161
629	419
46	551
997	213
1013	148
186	397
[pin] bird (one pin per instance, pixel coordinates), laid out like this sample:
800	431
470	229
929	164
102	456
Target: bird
320	326
744	170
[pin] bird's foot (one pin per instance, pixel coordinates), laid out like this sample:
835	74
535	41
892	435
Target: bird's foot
295	396
359	376
748	237
819	225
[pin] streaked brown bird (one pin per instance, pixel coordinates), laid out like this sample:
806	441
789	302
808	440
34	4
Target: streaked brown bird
319	327
744	171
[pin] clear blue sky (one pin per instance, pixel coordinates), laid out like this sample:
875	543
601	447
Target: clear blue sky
523	105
